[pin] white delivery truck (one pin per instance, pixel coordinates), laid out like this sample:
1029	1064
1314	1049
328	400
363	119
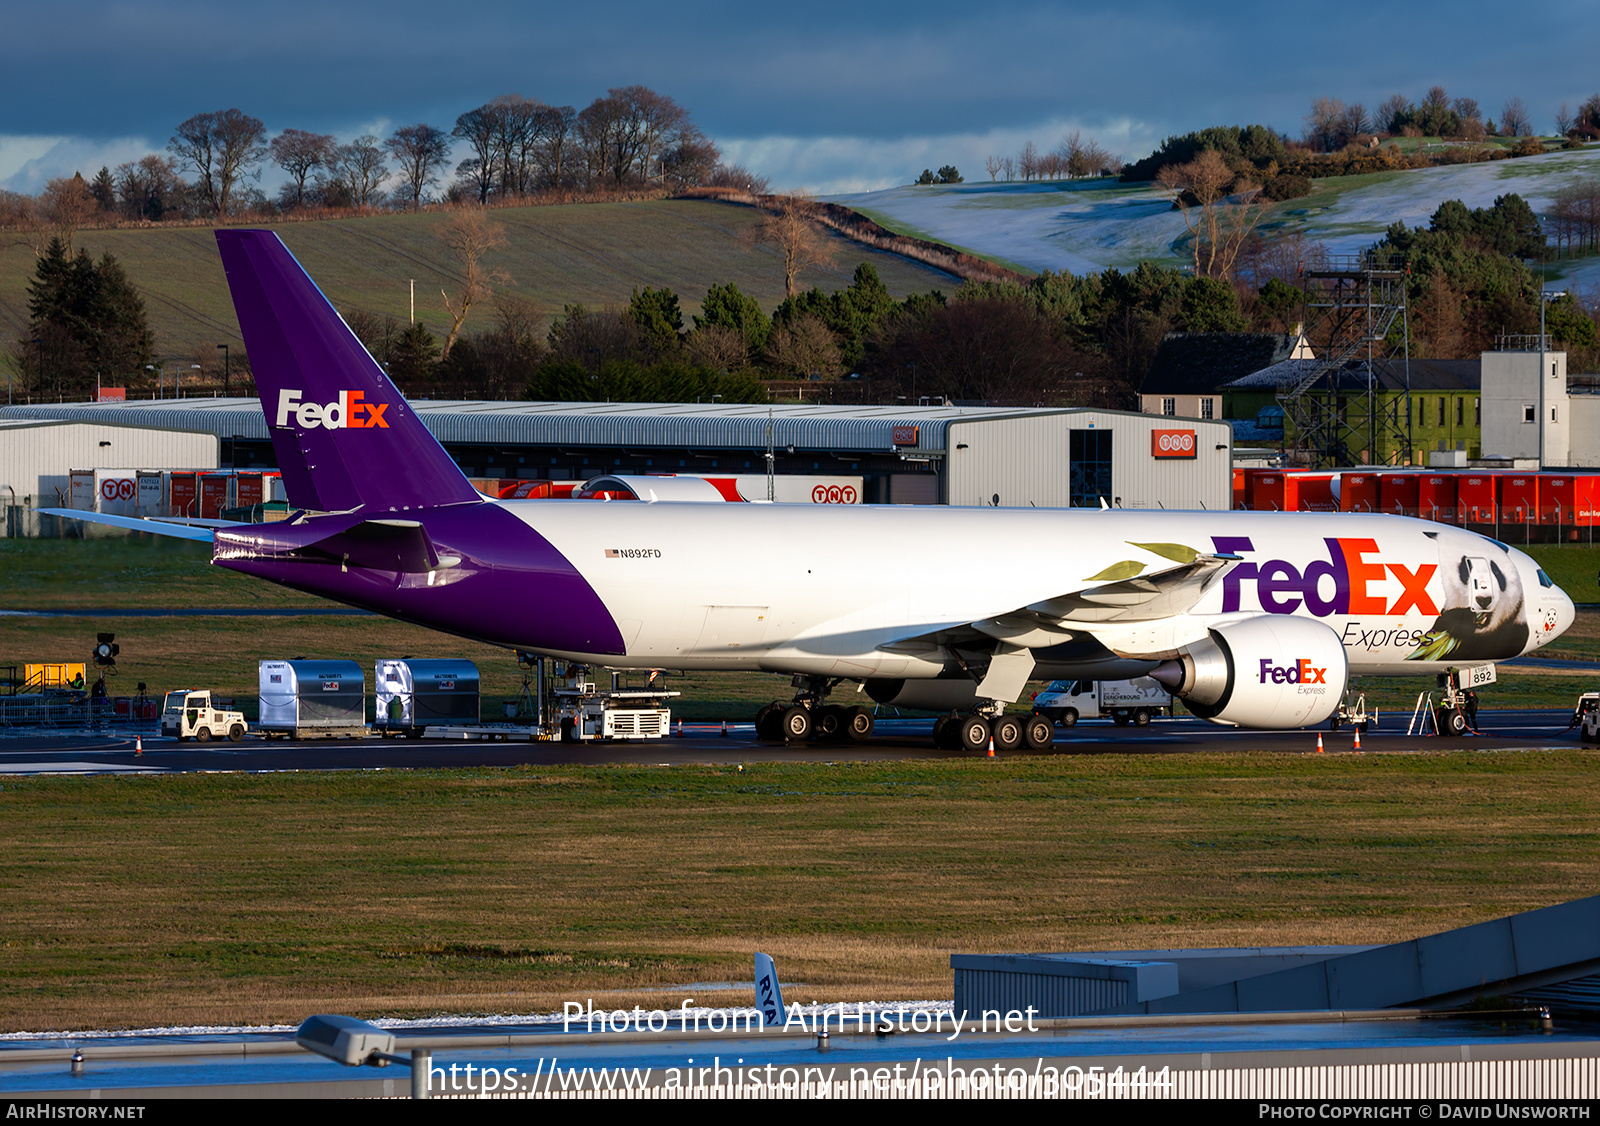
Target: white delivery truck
1125	701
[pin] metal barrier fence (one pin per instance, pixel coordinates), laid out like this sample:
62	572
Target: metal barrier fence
67	713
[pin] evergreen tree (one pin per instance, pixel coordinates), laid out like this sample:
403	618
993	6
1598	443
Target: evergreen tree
728	307
89	321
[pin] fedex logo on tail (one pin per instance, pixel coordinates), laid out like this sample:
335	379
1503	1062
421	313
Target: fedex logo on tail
350	411
1343	583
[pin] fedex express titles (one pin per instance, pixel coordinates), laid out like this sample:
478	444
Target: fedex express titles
1351	578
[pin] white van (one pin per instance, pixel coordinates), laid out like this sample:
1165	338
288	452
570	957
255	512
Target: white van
1125	701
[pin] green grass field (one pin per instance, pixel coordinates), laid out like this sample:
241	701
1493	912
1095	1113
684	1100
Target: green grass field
139	900
594	254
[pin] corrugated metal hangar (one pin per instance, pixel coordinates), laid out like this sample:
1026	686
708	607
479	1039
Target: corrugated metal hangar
906	455
37	454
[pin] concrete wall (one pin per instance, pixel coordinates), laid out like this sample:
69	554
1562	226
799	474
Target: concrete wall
1511	402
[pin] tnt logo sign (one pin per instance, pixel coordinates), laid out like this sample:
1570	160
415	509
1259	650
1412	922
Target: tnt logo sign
1301	672
1172	443
350	411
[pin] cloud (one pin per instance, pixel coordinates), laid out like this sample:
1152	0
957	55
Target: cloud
844	164
27	163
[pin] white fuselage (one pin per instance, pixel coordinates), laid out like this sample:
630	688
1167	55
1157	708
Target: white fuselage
821	590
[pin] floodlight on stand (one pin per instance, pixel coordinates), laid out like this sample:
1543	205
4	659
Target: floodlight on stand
355	1043
106	649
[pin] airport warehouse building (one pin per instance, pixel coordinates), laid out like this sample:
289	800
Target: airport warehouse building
904	455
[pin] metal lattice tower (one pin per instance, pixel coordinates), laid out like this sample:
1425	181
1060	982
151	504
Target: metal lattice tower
1351	307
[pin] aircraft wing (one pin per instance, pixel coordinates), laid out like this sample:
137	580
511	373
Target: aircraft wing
1165	584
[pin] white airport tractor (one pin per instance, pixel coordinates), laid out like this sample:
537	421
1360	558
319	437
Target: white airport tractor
1125	701
189	715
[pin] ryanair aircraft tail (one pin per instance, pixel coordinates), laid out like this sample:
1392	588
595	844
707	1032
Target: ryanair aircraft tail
344	435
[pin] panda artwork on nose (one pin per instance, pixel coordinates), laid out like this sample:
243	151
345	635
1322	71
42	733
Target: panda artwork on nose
1481	616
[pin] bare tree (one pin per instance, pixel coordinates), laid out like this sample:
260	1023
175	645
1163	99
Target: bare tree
300	153
1390	114
1008	168
798	240
1563	120
420	151
1201	190
1325	123
718	347
150	188
555	133
803	347
1514	119
65	206
992	165
480	129
1467	109
738	176
1028	161
222	148
359	167
470	236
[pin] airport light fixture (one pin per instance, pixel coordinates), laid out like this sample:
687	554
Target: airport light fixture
355	1043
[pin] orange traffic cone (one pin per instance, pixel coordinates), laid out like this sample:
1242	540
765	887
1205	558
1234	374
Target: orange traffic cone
991	745
680	728
138	746
724	729
1358	738
1319	742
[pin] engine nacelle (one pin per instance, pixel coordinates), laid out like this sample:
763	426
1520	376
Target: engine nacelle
1274	672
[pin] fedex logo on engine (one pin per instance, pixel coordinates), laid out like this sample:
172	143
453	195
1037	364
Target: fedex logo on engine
350	411
1301	672
1343	583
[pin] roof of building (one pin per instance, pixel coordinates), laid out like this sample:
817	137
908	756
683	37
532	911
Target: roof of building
1197	363
660	425
1424	375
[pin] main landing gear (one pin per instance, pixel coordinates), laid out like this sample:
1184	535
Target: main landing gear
807	717
972	731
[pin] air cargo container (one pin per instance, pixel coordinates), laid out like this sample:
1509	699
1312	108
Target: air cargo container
304	699
411	694
117	492
1519	498
1436	497
1397	493
1358	492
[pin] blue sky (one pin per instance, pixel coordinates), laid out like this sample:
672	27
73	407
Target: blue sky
828	96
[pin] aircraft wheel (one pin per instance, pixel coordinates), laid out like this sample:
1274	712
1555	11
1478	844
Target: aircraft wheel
1455	723
973	731
1141	718
236	733
1333	722
203	735
1007	732
828	723
796	725
858	725
1039	733
769	723
1068	717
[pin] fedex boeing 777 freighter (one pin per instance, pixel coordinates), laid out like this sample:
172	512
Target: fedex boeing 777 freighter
1252	618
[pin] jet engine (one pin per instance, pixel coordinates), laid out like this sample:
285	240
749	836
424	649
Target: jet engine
1273	672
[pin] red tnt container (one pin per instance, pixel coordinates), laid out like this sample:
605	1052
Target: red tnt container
214	494
1238	488
1397	493
1476	494
122	706
1314	492
1519	498
1273	492
184	494
250	489
1358	492
1569	500
1436	497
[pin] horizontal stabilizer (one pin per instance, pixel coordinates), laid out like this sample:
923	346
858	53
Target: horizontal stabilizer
136	523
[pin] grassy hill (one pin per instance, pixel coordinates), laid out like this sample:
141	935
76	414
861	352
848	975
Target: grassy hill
1085	226
590	253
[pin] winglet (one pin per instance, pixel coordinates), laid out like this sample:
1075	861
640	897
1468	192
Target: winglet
344	435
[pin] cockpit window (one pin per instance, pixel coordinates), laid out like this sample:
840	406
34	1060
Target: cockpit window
1544	579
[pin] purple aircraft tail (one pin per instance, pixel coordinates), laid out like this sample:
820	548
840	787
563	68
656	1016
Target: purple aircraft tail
344	435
